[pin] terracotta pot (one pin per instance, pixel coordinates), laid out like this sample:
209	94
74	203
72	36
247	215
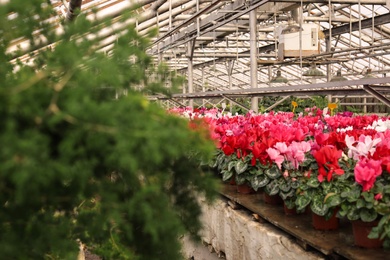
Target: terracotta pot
233	180
260	191
320	223
288	211
244	189
360	234
274	199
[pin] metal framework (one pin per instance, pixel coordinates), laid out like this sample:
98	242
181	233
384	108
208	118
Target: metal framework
222	53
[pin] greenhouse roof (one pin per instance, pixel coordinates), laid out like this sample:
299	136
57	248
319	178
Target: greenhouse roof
218	38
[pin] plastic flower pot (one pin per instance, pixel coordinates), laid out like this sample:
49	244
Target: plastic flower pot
272	199
320	223
360	234
244	189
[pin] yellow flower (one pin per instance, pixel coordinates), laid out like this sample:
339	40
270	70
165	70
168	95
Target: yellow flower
294	104
332	106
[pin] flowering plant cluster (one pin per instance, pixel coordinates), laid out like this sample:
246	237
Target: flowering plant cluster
339	162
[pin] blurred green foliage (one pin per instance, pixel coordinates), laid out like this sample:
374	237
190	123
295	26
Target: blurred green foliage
120	174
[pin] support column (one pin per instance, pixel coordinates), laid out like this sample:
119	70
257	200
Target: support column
253	57
328	68
74	7
203	87
229	68
190	52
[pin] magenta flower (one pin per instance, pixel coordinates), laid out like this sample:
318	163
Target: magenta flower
378	196
366	171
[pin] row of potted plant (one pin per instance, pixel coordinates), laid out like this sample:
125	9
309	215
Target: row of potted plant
328	163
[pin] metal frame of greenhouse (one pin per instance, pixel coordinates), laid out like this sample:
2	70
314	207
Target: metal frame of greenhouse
230	49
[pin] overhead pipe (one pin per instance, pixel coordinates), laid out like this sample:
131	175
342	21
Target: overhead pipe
118	27
296	15
213	6
165	8
144	23
142	29
158	4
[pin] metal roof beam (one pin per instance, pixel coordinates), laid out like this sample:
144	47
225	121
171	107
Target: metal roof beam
366	23
376	94
326	2
332	87
226	14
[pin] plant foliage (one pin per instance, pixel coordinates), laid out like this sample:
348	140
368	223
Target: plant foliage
78	163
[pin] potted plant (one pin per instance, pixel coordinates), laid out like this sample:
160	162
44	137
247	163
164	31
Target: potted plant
368	199
290	164
321	191
238	171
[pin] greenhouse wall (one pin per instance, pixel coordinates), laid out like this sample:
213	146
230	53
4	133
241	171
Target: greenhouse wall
234	234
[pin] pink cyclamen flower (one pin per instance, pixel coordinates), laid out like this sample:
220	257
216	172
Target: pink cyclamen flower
365	146
275	156
281	147
366	171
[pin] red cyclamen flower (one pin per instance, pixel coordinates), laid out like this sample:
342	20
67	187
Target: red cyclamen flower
327	159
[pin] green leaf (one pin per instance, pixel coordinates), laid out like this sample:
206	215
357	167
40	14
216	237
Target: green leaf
213	163
351	195
313	183
259	181
329	214
343	211
221	158
314	166
240	167
264	166
226	175
383	221
273	172
302	202
318	206
367	215
231	164
360	203
285	186
294	185
306	163
353	214
285	195
333	200
303	186
240	179
326	187
386	190
290	203
257	171
368	196
272	188
374	234
369	205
